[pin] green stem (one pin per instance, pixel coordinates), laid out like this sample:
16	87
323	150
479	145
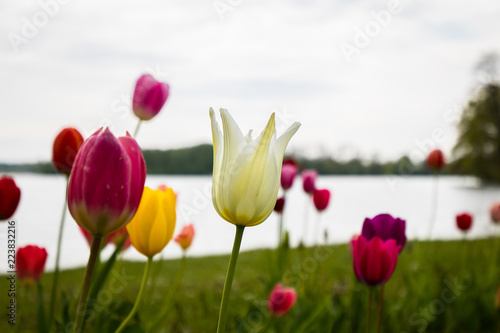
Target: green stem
380	307
169	298
221	326
41	322
55	280
435	196
139	297
368	315
82	301
306	218
137	128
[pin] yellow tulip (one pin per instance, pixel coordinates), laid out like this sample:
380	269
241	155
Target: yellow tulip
152	227
246	175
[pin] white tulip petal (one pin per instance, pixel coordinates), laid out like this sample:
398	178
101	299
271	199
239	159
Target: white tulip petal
246	172
282	142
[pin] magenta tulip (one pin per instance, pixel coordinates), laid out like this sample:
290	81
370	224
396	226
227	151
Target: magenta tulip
309	181
10	195
321	198
374	260
149	97
288	173
281	300
464	221
385	227
106	182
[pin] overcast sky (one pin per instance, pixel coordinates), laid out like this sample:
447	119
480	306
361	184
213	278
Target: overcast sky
360	83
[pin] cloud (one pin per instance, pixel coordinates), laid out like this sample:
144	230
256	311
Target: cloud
261	58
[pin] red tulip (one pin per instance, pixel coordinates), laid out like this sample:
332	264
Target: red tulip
66	145
10	195
288	173
435	160
106	183
281	300
30	262
309	181
185	237
149	97
495	212
374	260
464	221
321	199
280	205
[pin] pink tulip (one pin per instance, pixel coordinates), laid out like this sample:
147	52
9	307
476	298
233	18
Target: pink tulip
106	182
495	212
149	97
281	300
288	173
374	260
321	198
309	181
185	237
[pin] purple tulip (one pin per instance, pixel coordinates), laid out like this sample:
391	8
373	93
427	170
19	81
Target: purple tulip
385	227
288	173
106	182
309	180
149	97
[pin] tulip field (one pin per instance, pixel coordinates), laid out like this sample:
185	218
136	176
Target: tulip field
380	281
436	287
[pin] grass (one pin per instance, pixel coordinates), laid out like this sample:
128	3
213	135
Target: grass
436	287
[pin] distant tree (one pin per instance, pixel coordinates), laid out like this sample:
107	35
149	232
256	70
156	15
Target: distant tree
477	150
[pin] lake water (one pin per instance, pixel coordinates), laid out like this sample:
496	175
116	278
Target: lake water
353	199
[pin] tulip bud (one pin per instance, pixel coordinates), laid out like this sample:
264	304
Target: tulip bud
464	221
495	212
185	237
10	195
321	198
309	181
66	146
30	263
153	225
106	182
281	300
374	260
385	227
288	173
435	160
246	176
149	97
280	205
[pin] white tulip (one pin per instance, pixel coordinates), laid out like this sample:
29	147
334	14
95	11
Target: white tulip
246	175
